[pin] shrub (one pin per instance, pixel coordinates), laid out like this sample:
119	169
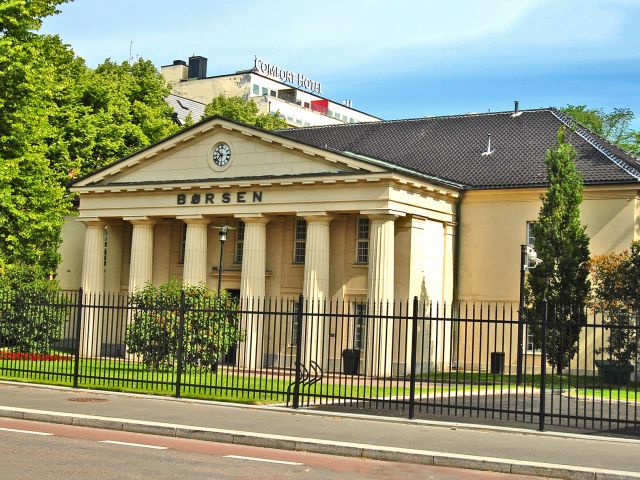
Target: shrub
31	310
616	279
211	325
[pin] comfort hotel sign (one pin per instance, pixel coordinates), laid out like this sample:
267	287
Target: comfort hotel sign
286	76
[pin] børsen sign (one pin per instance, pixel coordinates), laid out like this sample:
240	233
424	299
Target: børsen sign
210	198
286	76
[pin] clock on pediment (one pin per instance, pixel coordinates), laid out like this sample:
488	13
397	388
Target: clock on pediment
220	156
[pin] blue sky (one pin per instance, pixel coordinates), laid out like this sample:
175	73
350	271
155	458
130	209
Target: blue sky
394	59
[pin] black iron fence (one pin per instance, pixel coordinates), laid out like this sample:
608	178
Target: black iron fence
547	367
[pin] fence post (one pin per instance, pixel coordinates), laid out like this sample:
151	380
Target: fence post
78	329
543	367
412	381
296	385
180	345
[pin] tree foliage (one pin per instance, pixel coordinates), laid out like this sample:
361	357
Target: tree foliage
245	111
616	282
211	325
562	244
614	126
61	119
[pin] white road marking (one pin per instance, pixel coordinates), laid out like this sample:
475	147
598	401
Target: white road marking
127	444
240	457
25	431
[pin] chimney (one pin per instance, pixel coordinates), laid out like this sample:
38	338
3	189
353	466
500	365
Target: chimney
176	72
197	67
516	107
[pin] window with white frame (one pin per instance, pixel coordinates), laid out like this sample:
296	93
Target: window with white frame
237	257
105	245
183	243
300	240
530	238
362	241
359	326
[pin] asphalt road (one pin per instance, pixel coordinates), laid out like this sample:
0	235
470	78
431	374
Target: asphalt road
47	451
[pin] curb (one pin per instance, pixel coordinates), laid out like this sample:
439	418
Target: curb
345	449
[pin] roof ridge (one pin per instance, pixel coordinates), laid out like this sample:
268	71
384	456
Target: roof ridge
597	142
416	119
186	98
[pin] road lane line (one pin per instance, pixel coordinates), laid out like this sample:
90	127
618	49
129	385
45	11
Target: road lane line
25	431
127	444
240	457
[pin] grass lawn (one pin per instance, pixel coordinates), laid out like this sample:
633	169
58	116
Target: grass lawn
271	386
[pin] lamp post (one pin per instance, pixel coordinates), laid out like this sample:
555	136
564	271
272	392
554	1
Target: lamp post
223	238
528	260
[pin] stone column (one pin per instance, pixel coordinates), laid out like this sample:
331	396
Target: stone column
195	250
141	269
252	288
380	291
93	286
316	287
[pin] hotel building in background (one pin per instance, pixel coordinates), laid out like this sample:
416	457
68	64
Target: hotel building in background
296	98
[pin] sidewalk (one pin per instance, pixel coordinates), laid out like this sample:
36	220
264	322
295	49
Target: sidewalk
464	446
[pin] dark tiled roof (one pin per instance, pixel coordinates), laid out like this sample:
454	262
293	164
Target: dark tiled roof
183	107
450	148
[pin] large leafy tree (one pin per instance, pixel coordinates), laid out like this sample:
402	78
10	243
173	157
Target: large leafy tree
61	119
562	244
245	111
615	125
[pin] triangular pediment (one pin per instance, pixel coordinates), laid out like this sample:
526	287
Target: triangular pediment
253	153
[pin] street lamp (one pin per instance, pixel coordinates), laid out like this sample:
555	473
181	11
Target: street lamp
528	260
223	230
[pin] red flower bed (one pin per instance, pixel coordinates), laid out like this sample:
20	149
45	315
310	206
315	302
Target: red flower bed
41	357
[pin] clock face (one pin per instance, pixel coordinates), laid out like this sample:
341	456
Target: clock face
222	155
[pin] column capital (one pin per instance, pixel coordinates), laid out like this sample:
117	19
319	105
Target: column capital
382	214
252	217
322	217
140	220
93	222
194	219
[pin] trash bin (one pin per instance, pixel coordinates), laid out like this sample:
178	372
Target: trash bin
497	362
351	361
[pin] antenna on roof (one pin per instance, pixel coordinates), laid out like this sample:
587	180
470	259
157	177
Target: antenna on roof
488	151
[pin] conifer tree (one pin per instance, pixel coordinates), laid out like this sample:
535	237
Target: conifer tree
561	242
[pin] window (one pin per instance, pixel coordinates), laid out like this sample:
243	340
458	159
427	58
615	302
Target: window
359	326
362	241
330	113
105	244
300	240
273	93
237	257
265	90
529	238
298	122
183	243
256	89
306	105
293	324
529	345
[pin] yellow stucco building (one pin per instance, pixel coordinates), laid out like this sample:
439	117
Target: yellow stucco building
433	207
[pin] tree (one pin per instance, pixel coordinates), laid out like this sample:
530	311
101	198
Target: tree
613	126
61	119
616	279
211	325
245	111
562	244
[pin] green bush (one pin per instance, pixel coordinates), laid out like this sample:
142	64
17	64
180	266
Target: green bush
32	310
211	325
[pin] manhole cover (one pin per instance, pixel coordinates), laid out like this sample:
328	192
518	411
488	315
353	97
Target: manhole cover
87	399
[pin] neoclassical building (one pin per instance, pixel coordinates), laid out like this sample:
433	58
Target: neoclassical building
431	207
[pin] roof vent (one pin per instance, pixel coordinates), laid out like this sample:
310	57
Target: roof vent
488	151
516	108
